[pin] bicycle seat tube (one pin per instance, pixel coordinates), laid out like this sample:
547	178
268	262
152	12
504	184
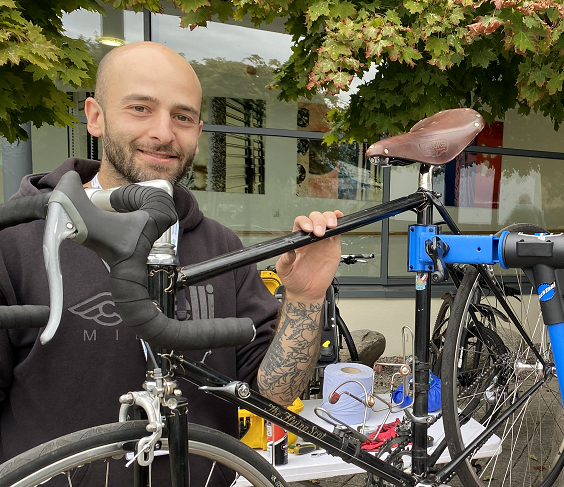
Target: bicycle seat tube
422	337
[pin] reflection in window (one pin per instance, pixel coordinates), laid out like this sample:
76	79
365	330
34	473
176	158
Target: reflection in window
80	143
235	162
473	180
337	171
102	33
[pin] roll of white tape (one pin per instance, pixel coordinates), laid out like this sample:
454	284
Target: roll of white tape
347	409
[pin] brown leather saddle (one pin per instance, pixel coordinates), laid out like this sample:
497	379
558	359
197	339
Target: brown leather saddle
435	140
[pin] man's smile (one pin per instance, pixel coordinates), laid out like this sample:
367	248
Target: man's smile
158	156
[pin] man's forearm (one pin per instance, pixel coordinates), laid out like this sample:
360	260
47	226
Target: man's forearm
289	362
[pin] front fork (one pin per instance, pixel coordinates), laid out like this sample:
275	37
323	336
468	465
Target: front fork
161	393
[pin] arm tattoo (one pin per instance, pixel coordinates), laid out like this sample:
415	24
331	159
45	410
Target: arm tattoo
291	358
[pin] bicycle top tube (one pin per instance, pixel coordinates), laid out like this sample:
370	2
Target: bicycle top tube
255	253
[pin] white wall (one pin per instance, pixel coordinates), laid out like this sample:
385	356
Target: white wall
384	315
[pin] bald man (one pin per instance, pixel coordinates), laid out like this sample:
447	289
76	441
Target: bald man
147	112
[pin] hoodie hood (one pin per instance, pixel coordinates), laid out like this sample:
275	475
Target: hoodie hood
189	213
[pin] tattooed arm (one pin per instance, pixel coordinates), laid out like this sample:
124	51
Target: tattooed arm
306	274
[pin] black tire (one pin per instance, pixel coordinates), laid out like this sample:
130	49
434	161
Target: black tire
531	438
106	446
438	335
347	337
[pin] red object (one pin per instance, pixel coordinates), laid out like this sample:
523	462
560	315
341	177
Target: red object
334	398
276	444
375	442
488	174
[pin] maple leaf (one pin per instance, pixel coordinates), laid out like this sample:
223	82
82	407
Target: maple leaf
317	10
523	42
343	10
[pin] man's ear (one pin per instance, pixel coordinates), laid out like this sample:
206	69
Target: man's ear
199	133
94	117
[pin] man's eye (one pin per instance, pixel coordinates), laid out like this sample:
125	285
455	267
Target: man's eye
139	109
183	118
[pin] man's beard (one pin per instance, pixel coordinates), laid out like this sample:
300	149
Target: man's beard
122	157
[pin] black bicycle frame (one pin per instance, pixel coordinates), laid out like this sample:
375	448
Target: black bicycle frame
343	446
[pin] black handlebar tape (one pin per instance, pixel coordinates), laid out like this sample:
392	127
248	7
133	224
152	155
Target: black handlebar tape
129	285
23	210
26	316
124	241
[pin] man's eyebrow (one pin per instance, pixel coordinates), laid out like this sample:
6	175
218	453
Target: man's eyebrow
186	108
138	97
178	106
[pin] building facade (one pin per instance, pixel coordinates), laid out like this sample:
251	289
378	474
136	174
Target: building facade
261	161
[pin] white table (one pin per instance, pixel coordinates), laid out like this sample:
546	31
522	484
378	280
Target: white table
308	467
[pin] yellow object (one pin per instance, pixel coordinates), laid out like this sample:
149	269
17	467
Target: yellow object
326	344
302	449
255	437
271	280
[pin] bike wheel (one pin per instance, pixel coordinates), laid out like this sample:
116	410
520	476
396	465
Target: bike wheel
479	383
347	337
97	454
438	335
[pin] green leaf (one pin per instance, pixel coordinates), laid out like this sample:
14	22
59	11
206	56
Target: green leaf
200	17
341	80
193	5
432	18
414	7
318	9
436	45
554	85
409	55
531	22
483	57
539	76
374	49
531	94
523	42
393	17
335	49
343	10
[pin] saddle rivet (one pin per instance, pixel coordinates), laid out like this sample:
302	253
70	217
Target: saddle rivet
386	151
477	124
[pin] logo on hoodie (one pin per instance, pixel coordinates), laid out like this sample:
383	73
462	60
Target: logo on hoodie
198	303
99	308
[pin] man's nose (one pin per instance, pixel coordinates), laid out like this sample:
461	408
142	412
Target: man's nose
161	128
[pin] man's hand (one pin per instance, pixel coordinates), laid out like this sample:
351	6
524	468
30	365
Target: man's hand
308	271
306	274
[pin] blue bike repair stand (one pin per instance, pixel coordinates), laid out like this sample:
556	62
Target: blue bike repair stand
459	249
423	256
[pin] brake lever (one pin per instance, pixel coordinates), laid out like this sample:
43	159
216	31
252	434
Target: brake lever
58	227
70	213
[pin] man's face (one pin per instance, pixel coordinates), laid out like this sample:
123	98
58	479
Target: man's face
151	118
138	161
